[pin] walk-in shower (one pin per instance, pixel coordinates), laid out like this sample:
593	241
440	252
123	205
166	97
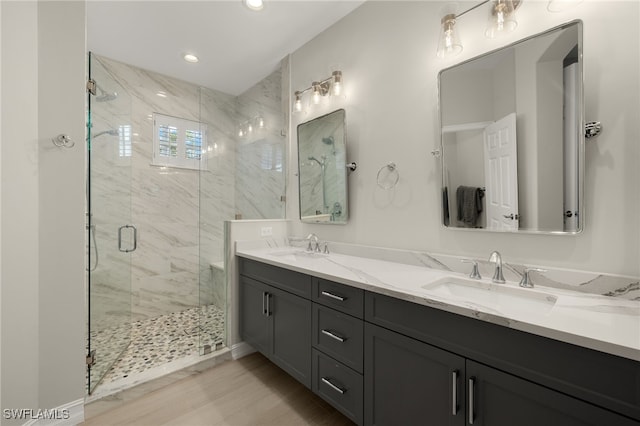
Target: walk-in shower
157	292
145	307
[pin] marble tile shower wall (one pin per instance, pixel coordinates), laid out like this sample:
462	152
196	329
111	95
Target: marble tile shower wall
261	154
180	213
164	202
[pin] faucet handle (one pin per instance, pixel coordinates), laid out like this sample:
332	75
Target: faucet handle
326	248
526	280
475	273
309	246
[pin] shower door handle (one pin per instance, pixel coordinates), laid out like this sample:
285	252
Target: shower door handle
135	238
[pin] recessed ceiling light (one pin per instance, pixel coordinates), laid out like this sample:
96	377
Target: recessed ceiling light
161	94
191	58
254	4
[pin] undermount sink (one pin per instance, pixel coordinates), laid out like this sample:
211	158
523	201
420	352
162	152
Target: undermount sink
503	298
296	254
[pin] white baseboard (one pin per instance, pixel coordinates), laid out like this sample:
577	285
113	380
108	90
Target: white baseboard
69	414
241	349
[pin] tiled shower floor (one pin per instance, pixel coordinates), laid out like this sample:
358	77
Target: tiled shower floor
157	341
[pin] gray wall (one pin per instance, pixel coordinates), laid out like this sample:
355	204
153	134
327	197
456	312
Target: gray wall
42	312
387	55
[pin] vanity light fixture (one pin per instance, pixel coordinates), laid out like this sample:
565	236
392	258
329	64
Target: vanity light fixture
502	18
297	105
449	42
332	85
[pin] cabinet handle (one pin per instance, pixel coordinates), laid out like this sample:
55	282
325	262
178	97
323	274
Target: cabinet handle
454	396
264	303
472	382
332	386
268	304
333	296
333	336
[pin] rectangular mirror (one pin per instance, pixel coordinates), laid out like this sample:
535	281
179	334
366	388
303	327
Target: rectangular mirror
322	170
512	128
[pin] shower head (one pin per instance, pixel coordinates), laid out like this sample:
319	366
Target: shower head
111	132
328	141
105	96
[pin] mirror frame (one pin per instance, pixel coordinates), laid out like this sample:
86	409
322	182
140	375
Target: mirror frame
345	207
580	125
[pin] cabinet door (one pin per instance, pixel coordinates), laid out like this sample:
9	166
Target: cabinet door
408	382
496	398
254	321
291	322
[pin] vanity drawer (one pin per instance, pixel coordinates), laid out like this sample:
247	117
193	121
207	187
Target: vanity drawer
338	335
342	297
284	279
338	385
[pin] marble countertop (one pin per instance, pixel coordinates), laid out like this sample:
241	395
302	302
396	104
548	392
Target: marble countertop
606	324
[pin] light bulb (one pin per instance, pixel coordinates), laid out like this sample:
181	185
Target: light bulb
316	94
261	122
337	83
250	129
337	88
501	19
449	43
297	106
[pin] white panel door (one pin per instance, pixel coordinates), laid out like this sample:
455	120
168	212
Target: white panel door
571	148
501	174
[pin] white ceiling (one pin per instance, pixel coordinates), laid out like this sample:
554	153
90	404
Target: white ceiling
237	47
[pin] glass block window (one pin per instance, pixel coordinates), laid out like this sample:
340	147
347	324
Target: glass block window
178	142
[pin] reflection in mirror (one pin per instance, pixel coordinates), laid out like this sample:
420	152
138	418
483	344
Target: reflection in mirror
513	136
322	169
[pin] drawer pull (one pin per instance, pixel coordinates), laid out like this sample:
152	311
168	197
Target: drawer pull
454	397
333	335
333	296
472	382
332	386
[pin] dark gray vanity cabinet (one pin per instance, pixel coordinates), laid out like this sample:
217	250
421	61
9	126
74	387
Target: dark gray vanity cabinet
495	398
386	361
275	322
408	382
506	377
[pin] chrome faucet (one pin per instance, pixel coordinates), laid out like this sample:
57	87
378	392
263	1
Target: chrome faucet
497	275
314	238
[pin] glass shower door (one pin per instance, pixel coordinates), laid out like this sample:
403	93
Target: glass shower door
111	235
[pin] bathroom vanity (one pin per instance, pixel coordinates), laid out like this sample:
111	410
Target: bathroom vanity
390	351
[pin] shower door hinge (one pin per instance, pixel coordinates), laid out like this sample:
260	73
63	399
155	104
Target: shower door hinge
91	358
283	198
92	87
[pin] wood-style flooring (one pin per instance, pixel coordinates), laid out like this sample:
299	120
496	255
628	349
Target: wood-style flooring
249	391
